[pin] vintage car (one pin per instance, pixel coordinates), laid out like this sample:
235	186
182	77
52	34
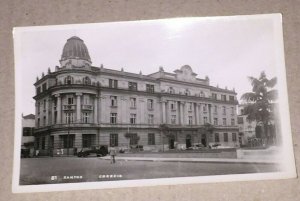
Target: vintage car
98	151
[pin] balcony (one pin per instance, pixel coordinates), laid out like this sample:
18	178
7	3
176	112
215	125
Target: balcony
69	107
87	107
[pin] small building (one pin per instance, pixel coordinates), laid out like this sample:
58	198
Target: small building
27	140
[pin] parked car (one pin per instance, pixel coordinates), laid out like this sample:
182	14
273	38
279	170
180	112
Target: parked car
196	147
25	153
84	152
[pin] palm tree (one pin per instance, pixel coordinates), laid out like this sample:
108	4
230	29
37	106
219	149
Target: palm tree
260	102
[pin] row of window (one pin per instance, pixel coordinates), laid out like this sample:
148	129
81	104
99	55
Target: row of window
225	137
88	140
223	97
224	122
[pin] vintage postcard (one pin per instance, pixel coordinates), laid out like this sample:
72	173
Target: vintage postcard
155	102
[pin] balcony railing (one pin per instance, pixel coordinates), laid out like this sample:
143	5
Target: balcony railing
87	107
69	107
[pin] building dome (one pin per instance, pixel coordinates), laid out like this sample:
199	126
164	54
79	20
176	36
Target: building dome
75	49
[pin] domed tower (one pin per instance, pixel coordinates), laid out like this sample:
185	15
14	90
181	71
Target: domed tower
75	54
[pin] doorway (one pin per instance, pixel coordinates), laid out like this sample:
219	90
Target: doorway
203	140
172	142
188	141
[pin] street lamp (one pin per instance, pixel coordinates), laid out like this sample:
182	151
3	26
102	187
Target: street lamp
68	138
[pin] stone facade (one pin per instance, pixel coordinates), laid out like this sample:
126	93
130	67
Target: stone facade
96	106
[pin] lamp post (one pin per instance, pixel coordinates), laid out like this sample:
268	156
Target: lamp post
68	137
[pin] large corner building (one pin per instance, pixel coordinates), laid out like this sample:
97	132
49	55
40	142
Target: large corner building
80	106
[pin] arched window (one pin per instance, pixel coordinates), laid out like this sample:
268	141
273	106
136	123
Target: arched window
69	80
171	90
187	92
86	80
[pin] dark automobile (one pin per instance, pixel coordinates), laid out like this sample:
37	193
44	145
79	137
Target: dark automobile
84	152
25	153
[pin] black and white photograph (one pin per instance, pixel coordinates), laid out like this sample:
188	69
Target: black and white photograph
154	102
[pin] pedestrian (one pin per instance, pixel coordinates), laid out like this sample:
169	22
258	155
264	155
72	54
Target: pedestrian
112	154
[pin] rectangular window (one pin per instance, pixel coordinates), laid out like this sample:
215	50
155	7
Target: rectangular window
150	104
151	139
190	120
87	140
69	117
216	109
205	120
113	118
232	122
86	117
44	105
150	88
132	86
132	118
113	140
70	100
113	83
38	90
173	106
214	96
27	131
224	110
86	99
224	121
44	120
231	98
217	138
173	119
133	139
38	122
240	120
150	118
133	102
113	101
232	110
44	87
205	108
68	141
223	97
38	107
225	137
215	121
234	137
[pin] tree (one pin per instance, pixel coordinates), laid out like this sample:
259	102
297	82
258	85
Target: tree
207	129
165	132
260	102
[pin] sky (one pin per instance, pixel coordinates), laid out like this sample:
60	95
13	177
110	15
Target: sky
227	50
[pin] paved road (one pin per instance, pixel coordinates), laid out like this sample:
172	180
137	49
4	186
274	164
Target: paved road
40	170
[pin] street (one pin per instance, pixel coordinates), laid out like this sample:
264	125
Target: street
73	169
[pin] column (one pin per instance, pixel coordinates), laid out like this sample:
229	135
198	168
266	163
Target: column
47	112
52	112
200	114
163	112
181	113
209	114
58	108
168	112
78	109
96	110
197	122
186	109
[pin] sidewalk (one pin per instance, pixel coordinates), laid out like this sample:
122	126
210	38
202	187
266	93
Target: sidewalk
196	160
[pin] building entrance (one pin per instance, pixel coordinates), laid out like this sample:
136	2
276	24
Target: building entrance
172	142
188	141
203	140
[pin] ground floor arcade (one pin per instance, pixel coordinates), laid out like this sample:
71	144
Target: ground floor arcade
70	141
